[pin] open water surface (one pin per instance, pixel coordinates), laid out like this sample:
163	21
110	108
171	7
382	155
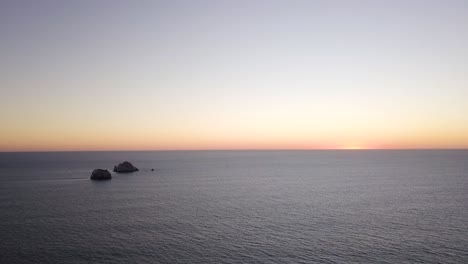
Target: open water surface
367	206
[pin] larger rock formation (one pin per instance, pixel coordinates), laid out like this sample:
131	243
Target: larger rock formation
125	167
100	174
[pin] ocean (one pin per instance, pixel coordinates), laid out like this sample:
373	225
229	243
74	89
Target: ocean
330	206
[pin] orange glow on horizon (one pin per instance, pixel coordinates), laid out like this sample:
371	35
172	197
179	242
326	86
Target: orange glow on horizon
173	144
115	138
354	147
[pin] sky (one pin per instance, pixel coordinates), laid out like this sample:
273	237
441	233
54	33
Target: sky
169	75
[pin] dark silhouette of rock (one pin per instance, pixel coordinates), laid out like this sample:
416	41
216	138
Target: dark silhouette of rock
100	174
152	169
125	167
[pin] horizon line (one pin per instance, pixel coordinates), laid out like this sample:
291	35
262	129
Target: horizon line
259	149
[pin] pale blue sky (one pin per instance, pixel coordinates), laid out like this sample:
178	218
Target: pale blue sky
221	74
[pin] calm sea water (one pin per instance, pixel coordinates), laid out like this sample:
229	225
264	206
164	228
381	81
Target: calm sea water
236	207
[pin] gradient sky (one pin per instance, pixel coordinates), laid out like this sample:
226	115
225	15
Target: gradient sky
130	75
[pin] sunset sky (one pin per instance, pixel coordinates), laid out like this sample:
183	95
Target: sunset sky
151	75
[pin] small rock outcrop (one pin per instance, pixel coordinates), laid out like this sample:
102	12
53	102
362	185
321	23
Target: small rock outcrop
125	167
100	174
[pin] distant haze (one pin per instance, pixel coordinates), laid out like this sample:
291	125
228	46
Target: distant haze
128	75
